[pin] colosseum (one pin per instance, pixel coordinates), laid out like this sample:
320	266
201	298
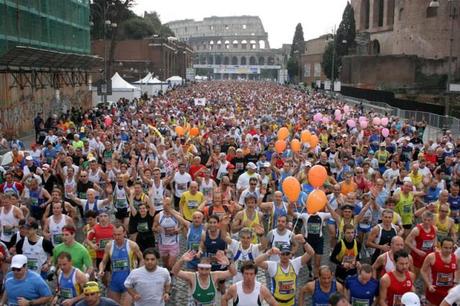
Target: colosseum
231	48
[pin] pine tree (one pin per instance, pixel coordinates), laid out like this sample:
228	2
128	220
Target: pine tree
297	49
346	32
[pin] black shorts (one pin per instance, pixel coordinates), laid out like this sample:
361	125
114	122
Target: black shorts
317	244
120	214
407	226
108	266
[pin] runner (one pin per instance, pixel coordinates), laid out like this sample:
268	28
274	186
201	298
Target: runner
123	255
248	292
439	272
394	284
70	282
385	262
320	289
362	289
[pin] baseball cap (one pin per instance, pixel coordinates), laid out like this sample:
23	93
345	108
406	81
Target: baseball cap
45	166
307	164
91	287
285	248
410	299
18	261
230	166
31	224
347	206
251	165
28	157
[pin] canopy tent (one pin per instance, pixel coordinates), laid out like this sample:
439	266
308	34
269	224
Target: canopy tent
151	84
120	89
174	80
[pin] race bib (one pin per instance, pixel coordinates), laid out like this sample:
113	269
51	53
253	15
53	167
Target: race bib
103	243
348	259
66	293
359	302
195	246
407	209
8	230
181	186
121	203
57	238
286	287
192	204
314	228
444	279
170	231
82	195
427	245
120	264
142	227
34	202
32	264
397	300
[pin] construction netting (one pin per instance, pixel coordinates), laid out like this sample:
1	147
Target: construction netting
60	25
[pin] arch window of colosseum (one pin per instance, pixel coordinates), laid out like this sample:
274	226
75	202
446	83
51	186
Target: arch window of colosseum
244	44
261	61
262	44
271	61
226	61
227	44
234	60
253	44
235	44
252	60
218	60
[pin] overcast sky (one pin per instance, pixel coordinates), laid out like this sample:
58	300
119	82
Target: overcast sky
318	17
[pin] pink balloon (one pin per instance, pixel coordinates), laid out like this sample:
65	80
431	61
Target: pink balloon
385	132
362	118
376	121
351	123
325	120
108	121
363	124
346	108
317	117
338	117
337	112
384	121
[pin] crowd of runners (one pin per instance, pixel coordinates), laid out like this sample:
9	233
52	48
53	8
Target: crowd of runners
115	206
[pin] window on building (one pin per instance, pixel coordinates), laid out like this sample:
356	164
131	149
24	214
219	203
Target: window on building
226	27
391	12
431	12
317	72
365	13
306	70
244	27
400	15
261	44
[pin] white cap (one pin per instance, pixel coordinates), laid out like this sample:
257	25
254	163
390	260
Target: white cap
251	165
18	261
28	157
407	179
410	299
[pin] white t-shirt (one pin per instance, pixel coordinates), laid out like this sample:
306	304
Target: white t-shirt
150	285
454	294
181	181
234	247
273	266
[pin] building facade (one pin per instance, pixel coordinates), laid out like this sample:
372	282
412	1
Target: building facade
230	47
312	60
44	60
133	59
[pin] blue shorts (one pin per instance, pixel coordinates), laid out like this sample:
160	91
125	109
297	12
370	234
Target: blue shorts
117	284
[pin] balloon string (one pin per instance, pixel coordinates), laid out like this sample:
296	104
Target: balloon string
295	224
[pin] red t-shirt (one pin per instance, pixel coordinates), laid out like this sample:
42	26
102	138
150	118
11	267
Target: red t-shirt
102	235
194	169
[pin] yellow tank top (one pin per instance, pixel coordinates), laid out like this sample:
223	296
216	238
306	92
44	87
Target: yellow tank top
443	228
251	225
285	286
346	255
405	208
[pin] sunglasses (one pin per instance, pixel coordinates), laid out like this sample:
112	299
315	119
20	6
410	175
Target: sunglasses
285	253
90	294
16	269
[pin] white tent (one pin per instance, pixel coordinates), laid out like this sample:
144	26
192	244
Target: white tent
151	84
175	80
120	89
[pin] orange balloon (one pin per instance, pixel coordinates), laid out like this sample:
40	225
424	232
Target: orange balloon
295	145
313	141
194	131
291	188
280	146
305	136
316	201
180	130
317	176
283	133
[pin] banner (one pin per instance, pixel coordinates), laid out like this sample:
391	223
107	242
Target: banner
200	101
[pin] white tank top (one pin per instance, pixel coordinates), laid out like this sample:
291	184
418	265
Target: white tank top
157	193
70	186
168	223
247	299
121	201
206	189
35	254
389	264
9	224
55	229
94	177
279	240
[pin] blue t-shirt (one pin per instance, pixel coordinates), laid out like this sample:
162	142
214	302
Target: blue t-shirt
361	294
32	287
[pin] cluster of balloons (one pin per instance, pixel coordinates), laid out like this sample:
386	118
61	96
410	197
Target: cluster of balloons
180	131
296	145
317	199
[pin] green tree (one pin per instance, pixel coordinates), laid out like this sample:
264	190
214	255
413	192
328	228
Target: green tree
346	33
297	49
135	28
153	18
328	58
